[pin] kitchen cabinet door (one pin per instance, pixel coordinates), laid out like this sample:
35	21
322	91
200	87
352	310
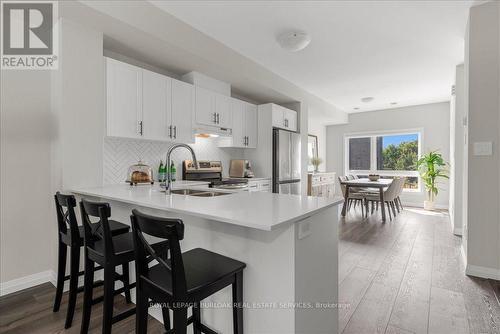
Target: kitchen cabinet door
224	117
239	133
277	115
205	106
156	111
123	99
290	119
251	125
182	111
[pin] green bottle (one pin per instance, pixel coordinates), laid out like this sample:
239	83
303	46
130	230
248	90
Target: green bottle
161	172
173	171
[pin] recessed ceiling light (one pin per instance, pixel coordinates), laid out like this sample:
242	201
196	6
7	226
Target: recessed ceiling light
393	103
367	99
356	108
294	41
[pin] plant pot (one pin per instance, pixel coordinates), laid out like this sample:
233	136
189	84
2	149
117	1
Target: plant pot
429	205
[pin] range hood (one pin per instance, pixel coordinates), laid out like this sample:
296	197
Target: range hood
211	131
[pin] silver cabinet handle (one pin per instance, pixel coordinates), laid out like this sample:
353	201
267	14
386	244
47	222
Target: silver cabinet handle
218	121
215	117
175	132
140	128
170	131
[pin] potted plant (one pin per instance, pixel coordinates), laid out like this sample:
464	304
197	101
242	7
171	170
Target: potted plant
431	166
316	161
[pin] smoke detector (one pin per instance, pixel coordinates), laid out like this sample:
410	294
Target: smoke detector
294	41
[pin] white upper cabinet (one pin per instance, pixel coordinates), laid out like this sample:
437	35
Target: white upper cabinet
205	106
123	99
244	125
251	124
284	118
290	119
182	112
147	105
156	105
223	111
213	108
239	134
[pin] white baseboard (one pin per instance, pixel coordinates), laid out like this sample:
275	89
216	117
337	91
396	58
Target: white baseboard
26	282
483	272
421	205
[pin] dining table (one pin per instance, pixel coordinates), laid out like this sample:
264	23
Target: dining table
366	184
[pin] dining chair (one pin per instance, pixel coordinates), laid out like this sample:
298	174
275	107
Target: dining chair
390	195
355	196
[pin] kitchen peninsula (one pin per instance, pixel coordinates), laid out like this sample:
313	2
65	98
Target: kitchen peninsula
288	242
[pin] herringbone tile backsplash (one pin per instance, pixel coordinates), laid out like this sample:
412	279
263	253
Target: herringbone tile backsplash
120	153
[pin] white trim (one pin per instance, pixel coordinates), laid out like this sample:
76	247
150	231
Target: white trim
458	231
462	251
483	272
26	282
421	205
373	154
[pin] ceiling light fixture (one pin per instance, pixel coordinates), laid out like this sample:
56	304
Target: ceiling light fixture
393	103
356	108
294	41
367	99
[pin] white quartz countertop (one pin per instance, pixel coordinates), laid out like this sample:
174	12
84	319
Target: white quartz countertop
259	210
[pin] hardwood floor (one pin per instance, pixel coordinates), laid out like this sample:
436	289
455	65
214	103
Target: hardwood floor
404	276
407	276
30	311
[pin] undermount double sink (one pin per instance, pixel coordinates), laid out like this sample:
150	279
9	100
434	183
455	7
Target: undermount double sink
198	193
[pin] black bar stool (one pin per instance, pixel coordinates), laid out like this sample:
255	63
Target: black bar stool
71	235
182	280
108	251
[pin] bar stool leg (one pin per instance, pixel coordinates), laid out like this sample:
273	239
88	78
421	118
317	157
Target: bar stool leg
88	289
196	318
141	320
237	303
180	320
73	284
61	271
126	282
109	292
166	318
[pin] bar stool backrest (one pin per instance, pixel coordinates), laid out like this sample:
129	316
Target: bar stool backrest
170	229
99	230
66	218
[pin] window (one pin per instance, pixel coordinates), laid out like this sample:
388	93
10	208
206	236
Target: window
387	154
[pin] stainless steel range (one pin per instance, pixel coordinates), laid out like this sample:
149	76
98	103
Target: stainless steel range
211	171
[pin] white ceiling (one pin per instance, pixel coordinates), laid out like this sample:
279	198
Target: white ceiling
394	51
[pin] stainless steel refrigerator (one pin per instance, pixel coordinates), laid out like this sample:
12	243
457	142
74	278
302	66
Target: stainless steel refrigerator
286	162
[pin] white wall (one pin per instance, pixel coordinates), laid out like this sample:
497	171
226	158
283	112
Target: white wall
317	128
483	73
432	118
27	130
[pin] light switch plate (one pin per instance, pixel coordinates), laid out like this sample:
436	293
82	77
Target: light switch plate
484	148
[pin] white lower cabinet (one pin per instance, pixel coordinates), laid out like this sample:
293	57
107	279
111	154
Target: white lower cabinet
263	185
